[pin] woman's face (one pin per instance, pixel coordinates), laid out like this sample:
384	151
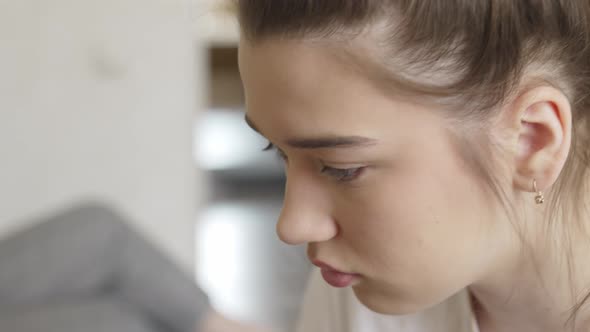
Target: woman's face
375	186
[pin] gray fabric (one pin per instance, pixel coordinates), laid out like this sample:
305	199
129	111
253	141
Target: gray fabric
91	254
92	315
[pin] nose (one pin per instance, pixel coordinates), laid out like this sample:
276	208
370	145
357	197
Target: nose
305	216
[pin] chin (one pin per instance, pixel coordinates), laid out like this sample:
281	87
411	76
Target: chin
387	303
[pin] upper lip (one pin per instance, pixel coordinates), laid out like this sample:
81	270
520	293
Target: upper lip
325	266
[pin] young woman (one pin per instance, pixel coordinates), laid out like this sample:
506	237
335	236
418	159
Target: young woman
436	155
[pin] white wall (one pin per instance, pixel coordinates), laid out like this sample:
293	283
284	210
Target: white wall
97	100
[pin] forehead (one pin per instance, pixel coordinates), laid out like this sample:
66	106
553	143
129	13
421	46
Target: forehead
299	71
288	83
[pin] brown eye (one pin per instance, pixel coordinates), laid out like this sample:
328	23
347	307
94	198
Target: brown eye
343	174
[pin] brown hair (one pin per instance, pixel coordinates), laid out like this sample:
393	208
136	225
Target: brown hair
485	49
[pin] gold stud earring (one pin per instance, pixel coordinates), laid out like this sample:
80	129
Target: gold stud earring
539	198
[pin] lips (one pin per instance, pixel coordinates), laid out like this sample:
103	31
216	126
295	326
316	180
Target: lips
334	277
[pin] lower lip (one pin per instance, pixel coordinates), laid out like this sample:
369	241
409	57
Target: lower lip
338	279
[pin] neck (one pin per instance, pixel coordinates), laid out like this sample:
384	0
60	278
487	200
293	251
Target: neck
540	286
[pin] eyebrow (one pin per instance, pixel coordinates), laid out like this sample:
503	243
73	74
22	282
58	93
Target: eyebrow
322	142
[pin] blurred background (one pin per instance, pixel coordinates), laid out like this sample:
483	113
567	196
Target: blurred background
139	104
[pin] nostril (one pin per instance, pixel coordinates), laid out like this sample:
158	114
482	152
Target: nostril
336	229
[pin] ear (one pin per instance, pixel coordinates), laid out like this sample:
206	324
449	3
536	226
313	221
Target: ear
542	118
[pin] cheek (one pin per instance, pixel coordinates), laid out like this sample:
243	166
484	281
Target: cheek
412	208
418	230
399	222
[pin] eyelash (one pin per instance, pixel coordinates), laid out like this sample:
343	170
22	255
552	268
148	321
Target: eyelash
340	174
280	153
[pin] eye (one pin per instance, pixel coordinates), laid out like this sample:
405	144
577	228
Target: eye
343	174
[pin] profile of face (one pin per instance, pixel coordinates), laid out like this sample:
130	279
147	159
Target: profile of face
375	185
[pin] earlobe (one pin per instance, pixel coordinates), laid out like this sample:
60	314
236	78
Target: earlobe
544	137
